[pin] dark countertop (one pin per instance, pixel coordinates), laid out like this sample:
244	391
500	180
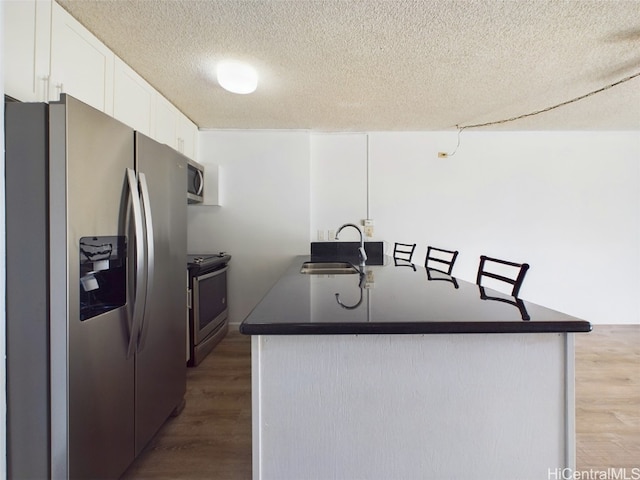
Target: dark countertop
394	300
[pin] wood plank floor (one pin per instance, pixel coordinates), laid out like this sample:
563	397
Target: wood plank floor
211	438
608	398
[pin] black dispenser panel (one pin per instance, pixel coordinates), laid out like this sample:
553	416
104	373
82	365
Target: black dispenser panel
103	275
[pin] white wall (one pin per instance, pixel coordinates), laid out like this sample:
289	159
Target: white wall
338	184
567	203
263	220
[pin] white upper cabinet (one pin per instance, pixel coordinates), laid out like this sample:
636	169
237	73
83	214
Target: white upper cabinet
174	128
27	35
166	117
48	52
81	65
187	135
134	100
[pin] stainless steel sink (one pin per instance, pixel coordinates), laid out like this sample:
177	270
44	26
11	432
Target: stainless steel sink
328	268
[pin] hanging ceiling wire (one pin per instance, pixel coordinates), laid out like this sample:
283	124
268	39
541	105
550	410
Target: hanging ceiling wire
537	112
497	122
451	154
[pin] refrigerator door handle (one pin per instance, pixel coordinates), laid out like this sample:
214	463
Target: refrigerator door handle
140	290
144	192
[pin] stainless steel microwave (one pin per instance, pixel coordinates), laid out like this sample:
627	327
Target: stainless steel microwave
195	182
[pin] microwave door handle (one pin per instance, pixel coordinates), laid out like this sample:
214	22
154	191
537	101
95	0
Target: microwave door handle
144	191
201	182
138	300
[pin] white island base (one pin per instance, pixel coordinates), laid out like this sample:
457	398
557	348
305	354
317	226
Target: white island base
401	407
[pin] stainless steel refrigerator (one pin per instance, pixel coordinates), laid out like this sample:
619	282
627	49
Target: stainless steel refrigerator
96	290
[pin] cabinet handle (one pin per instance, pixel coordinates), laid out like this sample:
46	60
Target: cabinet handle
59	89
43	85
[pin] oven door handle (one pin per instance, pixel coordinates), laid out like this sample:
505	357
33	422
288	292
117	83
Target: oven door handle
211	274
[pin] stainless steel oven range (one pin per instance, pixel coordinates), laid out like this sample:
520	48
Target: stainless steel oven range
208	308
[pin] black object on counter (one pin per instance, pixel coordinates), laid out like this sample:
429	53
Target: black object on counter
347	252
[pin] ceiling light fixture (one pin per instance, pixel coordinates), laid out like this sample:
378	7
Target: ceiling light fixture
237	77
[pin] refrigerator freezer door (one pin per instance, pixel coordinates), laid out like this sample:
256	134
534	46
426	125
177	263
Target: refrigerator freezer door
160	360
26	161
90	153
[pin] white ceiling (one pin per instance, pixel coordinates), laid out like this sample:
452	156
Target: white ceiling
370	65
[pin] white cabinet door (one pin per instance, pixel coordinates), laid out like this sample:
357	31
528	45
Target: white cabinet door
174	128
133	98
165	122
27	36
81	65
187	136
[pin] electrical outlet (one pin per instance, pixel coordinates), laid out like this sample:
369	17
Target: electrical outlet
331	235
321	235
443	154
370	281
368	231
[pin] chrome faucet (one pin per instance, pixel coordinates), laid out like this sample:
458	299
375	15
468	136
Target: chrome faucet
363	254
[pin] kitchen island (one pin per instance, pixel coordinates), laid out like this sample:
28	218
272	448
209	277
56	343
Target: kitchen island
400	373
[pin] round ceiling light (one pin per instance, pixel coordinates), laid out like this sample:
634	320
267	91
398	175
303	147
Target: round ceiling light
237	77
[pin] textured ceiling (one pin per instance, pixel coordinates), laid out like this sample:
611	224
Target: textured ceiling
368	65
